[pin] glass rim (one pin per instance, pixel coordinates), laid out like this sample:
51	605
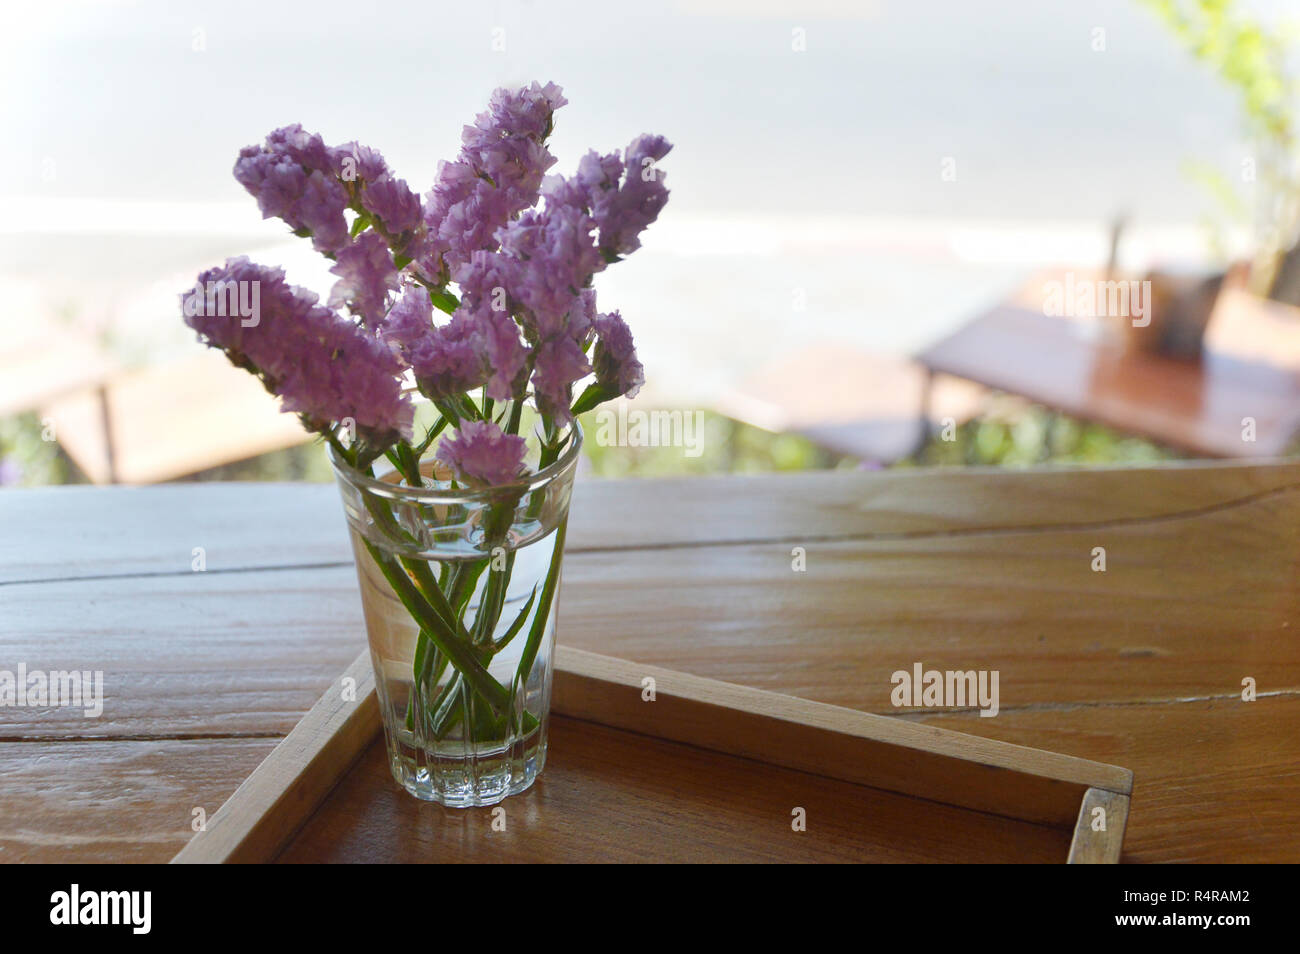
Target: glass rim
526	484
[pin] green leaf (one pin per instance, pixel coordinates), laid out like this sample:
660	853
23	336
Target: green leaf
444	300
594	394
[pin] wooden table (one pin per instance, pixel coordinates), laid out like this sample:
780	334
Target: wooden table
1251	368
1140	665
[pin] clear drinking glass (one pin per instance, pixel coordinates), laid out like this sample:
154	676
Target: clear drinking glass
460	590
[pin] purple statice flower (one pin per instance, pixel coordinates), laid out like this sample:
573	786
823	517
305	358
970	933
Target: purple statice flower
324	367
471	347
346	373
527	313
408	325
471	222
450	361
480	453
497	175
291	179
596	175
391	202
505	144
522	112
485	282
557	363
582	315
354	162
504	355
557	257
539	274
276	181
620	210
306	149
614	358
623	214
366	277
320	211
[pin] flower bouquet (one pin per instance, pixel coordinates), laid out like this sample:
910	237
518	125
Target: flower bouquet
458	548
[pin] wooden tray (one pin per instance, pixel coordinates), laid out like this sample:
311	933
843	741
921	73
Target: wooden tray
708	771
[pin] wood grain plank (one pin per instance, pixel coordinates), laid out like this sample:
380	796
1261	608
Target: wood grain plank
272	803
1185	609
890	754
204	654
114	801
72	532
1099	839
837	744
665	803
1218	780
1140	666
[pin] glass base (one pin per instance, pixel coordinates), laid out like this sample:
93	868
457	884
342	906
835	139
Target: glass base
456	779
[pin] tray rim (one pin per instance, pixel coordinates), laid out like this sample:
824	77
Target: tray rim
270	806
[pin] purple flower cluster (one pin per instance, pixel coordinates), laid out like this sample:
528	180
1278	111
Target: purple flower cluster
481	453
292	178
324	367
392	204
464	354
497	175
296	177
366	278
542	272
526	313
620	206
614	358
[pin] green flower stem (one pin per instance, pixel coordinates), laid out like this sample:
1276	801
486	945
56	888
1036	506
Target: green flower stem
516	626
464	580
494	595
412	702
438	606
419	569
447	641
445	711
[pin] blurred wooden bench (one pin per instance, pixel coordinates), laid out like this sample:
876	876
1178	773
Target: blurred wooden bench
45	363
168	421
850	402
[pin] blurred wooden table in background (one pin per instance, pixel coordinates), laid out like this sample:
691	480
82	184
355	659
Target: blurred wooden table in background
1141	665
1250	369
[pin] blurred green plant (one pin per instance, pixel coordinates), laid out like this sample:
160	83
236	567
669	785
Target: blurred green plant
727	447
1255	59
27	459
1013	433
